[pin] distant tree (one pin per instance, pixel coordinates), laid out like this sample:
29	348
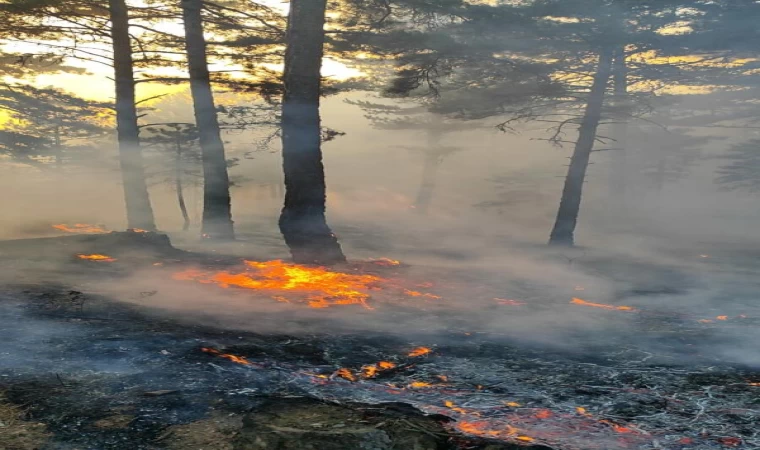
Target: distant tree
64	127
434	151
302	222
742	171
178	159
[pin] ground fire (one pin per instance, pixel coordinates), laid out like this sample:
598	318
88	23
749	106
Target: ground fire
81	228
96	257
316	287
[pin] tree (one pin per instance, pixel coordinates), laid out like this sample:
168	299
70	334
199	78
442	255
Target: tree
217	211
139	209
302	221
64	126
179	158
433	151
742	172
550	61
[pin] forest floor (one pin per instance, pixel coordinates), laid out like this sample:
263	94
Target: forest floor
119	355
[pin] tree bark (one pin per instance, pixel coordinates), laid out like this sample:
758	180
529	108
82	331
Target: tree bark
619	172
567	216
302	221
217	210
178	172
139	209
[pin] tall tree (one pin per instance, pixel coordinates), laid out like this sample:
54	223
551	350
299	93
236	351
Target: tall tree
569	206
302	221
217	210
139	209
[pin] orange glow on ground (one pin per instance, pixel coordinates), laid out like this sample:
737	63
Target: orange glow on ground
99	258
82	228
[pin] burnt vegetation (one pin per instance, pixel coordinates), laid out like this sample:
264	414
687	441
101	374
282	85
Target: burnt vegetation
379	224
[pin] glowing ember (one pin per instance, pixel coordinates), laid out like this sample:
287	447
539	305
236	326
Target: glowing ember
322	287
385	262
419	384
419	351
449	404
137	230
578	301
233	358
722	317
754	384
482	429
505	301
100	258
80	228
544	414
372	370
582	411
346	374
419	294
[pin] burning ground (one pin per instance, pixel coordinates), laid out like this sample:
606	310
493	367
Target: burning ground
145	346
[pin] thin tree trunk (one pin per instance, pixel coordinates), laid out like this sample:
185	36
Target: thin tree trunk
217	210
58	147
429	171
302	221
178	174
427	186
619	172
567	216
139	209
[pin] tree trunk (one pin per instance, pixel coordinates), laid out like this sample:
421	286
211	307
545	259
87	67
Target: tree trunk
58	147
429	172
427	187
139	210
217	210
619	172
302	221
567	216
178	171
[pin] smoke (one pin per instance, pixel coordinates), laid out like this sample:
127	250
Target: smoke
676	254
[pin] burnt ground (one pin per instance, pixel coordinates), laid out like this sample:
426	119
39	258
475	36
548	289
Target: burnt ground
82	368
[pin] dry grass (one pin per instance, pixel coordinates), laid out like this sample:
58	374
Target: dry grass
215	433
16	433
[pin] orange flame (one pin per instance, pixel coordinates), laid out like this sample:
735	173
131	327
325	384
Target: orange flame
578	301
137	230
482	429
100	258
419	351
80	228
385	262
346	374
323	287
419	294
236	359
419	384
